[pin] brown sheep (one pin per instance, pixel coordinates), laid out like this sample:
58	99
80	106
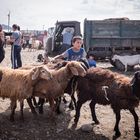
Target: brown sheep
18	85
51	66
55	88
118	94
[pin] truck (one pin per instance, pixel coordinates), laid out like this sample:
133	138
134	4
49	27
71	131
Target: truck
102	38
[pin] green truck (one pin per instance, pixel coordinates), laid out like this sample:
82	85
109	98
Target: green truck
102	38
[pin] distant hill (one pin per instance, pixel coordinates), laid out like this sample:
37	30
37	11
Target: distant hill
5	27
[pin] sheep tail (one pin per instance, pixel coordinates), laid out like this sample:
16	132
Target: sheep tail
104	89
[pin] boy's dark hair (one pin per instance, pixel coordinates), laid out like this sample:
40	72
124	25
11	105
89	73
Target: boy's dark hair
77	37
15	26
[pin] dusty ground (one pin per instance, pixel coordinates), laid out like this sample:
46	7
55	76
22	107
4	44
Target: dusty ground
43	128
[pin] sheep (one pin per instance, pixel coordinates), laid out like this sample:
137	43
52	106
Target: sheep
118	95
18	85
50	66
54	89
127	60
69	89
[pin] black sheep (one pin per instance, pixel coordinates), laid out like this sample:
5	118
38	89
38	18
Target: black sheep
118	94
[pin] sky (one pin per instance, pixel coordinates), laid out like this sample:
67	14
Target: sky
42	14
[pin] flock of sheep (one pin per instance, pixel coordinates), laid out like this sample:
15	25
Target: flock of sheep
100	86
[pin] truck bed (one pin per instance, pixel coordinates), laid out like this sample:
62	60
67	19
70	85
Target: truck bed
103	38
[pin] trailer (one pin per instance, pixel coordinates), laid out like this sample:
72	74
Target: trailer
104	38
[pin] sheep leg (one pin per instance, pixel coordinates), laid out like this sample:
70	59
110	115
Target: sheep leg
78	107
52	106
125	67
136	123
21	110
13	107
29	101
71	105
41	103
116	128
34	101
73	100
92	108
58	102
64	100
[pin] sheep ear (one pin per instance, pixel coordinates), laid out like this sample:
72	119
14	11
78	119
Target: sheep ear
35	73
74	71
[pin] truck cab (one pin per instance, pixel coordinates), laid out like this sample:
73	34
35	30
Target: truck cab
54	42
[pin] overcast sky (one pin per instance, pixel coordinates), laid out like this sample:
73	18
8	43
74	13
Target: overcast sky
39	14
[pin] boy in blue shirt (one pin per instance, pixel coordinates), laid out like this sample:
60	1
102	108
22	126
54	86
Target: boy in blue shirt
76	52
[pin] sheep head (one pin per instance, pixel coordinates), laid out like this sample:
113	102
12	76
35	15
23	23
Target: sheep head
76	68
114	57
41	72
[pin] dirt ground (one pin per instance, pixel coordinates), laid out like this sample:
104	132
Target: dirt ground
43	127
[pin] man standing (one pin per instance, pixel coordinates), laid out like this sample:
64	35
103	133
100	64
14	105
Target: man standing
16	48
67	38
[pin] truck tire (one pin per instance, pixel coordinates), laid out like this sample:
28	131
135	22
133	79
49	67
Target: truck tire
48	47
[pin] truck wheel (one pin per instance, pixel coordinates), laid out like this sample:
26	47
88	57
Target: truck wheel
48	47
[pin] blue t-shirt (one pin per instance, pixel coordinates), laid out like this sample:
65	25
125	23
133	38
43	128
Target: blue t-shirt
17	36
70	54
92	63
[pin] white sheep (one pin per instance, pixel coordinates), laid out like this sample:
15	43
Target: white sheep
55	88
127	60
18	84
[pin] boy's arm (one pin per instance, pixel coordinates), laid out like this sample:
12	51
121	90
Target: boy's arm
62	56
59	57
